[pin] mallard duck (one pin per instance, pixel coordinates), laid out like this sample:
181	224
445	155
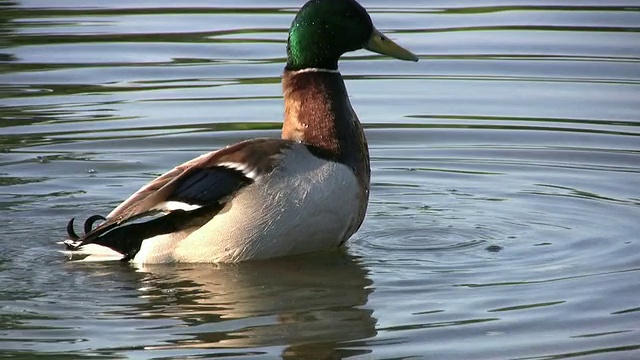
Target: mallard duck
262	198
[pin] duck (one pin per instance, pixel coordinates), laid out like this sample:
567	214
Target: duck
262	198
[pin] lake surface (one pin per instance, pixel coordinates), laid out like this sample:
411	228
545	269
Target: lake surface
504	220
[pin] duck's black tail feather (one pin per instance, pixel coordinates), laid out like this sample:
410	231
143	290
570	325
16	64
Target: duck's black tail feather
127	238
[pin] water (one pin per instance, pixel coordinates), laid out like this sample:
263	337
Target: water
505	204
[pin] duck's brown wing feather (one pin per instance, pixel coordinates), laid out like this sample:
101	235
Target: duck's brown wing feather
257	155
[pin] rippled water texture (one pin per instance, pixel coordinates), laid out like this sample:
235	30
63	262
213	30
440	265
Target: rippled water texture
505	206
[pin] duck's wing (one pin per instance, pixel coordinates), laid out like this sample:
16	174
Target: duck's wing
188	195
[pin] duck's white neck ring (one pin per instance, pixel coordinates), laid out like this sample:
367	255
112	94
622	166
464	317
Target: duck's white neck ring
308	70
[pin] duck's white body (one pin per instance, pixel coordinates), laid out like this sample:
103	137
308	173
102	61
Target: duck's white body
304	204
308	204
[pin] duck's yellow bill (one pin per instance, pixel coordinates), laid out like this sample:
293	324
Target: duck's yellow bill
381	44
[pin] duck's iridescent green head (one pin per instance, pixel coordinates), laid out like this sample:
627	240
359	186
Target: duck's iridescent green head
323	30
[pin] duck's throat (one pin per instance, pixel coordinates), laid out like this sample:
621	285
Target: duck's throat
318	112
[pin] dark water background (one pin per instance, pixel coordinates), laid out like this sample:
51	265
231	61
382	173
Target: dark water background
505	209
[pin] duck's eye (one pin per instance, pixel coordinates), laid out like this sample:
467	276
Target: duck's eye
382	38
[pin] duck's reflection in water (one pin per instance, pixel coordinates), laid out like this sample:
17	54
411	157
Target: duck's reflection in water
309	305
